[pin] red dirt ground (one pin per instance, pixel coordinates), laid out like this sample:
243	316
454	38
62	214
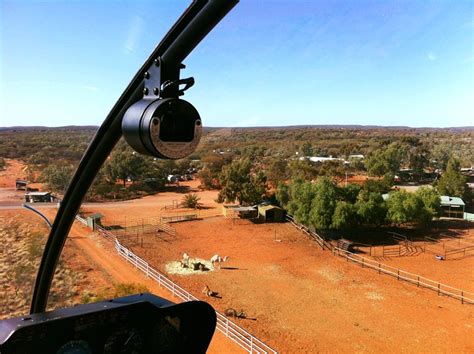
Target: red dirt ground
14	170
91	251
456	271
303	299
306	300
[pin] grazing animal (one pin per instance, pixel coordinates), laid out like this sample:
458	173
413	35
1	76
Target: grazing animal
185	260
208	292
199	266
234	313
218	259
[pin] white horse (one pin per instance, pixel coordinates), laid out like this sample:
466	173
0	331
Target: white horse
185	260
218	259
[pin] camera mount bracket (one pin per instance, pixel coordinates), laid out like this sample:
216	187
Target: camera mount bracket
162	80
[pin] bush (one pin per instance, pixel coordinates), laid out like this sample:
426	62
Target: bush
191	201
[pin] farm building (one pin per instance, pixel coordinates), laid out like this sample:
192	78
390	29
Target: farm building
246	212
93	220
39	197
453	207
271	213
21	184
240	211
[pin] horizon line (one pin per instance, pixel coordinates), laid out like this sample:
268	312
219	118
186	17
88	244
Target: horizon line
262	126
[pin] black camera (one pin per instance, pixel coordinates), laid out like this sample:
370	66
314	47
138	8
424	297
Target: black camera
168	128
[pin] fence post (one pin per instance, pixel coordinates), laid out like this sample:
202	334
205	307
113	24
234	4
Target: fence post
251	344
418	281
347	257
379	267
398	274
439	288
362	262
462	297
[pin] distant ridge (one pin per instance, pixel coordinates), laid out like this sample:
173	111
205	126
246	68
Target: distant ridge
288	127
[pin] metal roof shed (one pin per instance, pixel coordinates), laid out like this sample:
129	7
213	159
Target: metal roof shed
271	213
453	207
93	220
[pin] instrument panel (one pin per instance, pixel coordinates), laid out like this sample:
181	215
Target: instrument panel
142	323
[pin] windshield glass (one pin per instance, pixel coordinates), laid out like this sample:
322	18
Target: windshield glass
332	188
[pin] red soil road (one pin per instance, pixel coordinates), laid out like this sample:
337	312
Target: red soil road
99	254
305	299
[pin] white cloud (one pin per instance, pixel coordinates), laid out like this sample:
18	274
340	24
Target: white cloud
432	56
89	88
134	32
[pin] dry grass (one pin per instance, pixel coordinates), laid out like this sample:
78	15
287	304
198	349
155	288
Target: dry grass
20	255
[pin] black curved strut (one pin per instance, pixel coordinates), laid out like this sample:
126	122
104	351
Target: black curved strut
194	24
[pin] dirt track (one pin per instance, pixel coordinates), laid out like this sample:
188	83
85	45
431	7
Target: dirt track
101	256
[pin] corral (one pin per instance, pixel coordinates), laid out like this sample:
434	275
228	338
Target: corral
304	299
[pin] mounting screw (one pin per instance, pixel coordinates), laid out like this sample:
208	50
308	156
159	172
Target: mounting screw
156	91
147	75
145	91
157	62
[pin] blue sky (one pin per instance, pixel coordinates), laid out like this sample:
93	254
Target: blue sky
267	63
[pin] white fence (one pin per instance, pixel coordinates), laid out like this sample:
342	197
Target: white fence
82	220
231	330
442	289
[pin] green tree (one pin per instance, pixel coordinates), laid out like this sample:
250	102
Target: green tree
383	162
349	193
301	194
57	177
282	194
431	201
207	179
307	149
404	207
240	183
125	165
345	215
370	207
453	182
323	203
277	171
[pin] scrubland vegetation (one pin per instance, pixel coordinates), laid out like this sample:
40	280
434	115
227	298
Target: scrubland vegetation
249	165
20	255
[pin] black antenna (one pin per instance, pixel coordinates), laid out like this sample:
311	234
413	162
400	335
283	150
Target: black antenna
193	25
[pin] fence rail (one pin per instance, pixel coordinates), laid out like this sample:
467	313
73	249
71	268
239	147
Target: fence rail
445	247
230	329
177	218
442	289
319	240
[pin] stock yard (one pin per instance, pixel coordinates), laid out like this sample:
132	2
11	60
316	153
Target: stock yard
298	298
